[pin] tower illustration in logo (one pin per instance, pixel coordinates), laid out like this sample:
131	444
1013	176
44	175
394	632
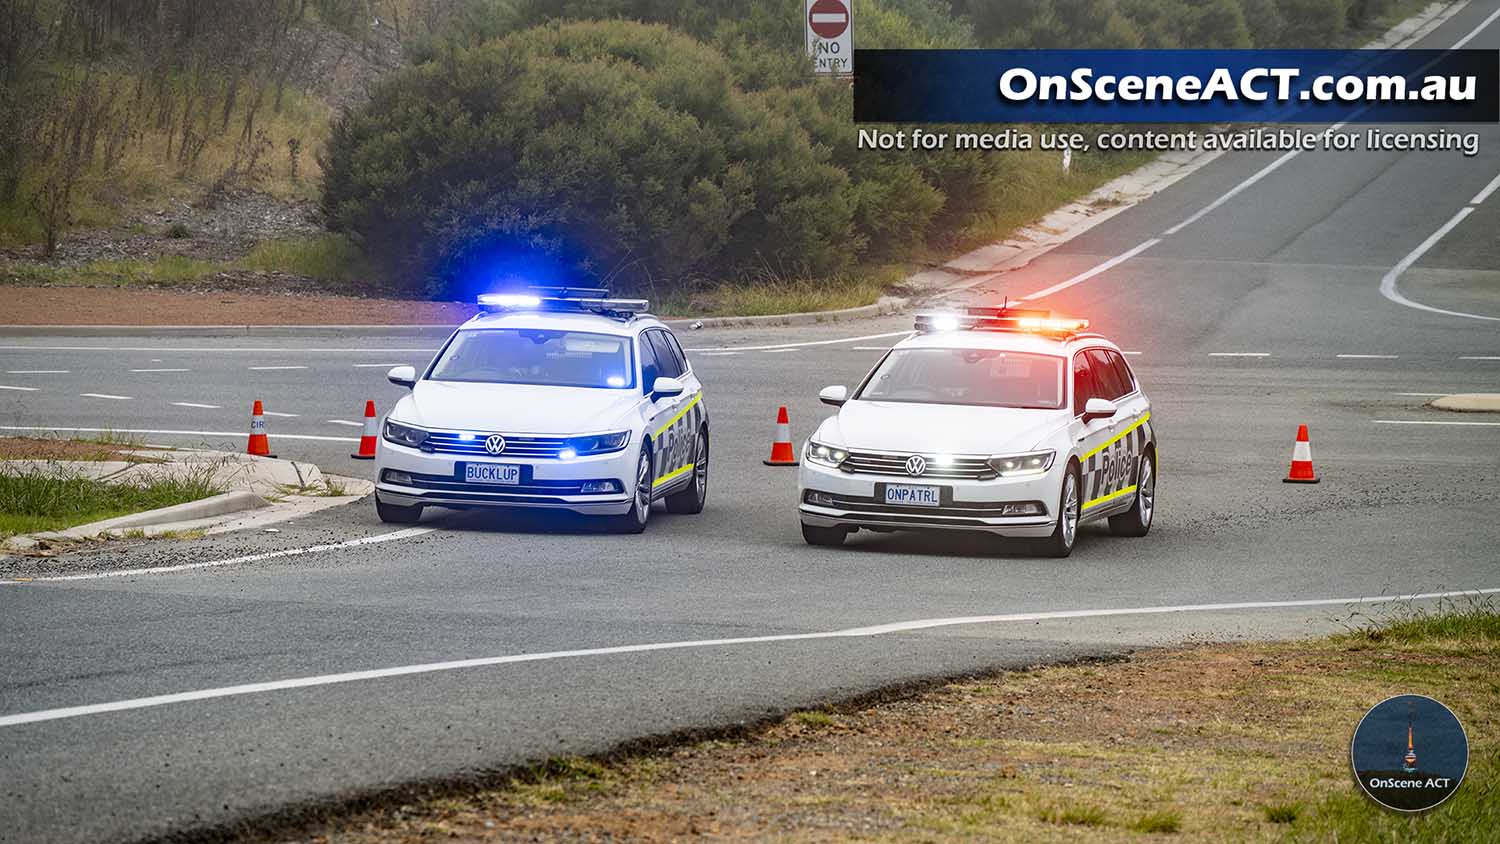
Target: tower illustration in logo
1409	762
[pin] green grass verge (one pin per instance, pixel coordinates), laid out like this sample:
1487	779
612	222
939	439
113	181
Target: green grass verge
39	500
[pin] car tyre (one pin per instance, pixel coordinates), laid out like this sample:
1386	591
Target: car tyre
639	514
1065	535
398	513
828	537
1137	520
691	500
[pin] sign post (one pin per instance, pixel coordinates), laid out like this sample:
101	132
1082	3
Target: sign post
830	37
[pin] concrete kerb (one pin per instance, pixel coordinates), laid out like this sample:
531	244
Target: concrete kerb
1469	403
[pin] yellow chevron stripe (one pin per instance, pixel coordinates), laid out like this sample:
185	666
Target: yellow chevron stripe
674	473
681	413
1112	496
1117	437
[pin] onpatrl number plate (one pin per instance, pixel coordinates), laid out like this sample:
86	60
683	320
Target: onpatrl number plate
505	474
913	495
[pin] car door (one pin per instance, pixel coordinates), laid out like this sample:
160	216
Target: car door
673	421
1113	457
1091	437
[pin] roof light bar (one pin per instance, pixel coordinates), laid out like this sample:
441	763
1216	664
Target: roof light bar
999	319
594	299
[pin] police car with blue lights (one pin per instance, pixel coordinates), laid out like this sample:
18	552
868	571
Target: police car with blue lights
556	398
1002	420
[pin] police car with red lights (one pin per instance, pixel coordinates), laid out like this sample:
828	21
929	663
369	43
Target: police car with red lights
1001	420
555	398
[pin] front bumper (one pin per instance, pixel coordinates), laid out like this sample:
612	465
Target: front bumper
970	505
546	483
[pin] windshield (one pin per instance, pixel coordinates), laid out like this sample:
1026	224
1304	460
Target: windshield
984	377
529	356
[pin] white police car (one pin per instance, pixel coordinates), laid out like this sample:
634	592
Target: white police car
560	398
991	419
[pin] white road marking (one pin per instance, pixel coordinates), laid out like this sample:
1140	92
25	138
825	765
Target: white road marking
1232	192
261	350
377	365
1132	353
717	354
1480	357
346	422
21	389
62	713
779	351
869	348
1090	273
161	370
282	415
1239	354
1480	197
36	372
1424	395
802	344
104	396
1388	283
1435	422
268	368
177	433
405	533
1476	30
195	404
1368	357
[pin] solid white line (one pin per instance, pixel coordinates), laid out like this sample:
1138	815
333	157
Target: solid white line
1090	273
21	389
1434	422
195	404
377	365
405	533
1480	357
282	415
1232	192
802	344
849	633
161	370
1239	354
1480	197
36	372
1388	283
869	348
717	354
24	347
779	351
1368	357
346	422
1476	30
178	433
267	368
104	396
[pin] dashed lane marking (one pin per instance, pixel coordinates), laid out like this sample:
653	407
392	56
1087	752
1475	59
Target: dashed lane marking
161	370
377	365
105	396
1368	357
802	344
270	368
282	415
1480	357
196	404
61	713
317	437
20	389
36	372
345	422
1239	354
1436	422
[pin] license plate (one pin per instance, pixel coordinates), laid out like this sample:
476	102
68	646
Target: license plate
505	474
912	495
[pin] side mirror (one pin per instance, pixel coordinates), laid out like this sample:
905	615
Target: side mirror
835	395
665	388
1097	408
402	376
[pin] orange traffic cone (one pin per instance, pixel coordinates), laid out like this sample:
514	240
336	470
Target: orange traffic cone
258	444
1302	468
367	441
781	449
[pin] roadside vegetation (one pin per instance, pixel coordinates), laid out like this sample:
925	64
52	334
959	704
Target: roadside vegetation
51	496
672	148
1238	743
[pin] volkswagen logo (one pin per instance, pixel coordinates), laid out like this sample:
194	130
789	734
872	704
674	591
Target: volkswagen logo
494	444
916	465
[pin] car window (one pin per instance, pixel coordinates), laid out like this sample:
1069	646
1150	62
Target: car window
530	356
677	350
1083	382
979	377
1122	372
649	369
1107	382
667	364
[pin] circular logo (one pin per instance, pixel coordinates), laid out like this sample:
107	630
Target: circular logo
916	465
494	443
1409	753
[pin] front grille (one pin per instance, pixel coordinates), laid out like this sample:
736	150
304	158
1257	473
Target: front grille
888	463
529	486
446	442
976	509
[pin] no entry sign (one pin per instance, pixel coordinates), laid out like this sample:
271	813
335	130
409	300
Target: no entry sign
830	37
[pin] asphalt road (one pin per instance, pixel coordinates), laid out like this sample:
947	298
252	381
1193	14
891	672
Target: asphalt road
1261	314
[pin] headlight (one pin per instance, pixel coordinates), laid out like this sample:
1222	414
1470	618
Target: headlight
600	444
824	455
1014	465
404	434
